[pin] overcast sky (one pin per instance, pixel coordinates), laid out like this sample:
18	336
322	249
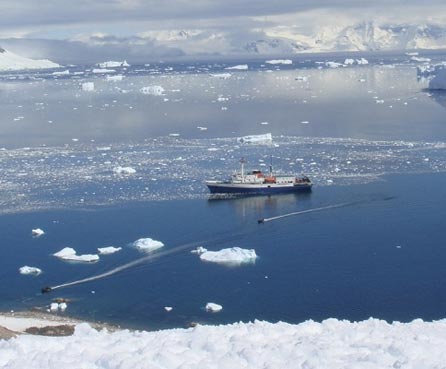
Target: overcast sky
127	24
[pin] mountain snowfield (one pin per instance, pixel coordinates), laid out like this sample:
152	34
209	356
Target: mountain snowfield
330	344
286	40
10	61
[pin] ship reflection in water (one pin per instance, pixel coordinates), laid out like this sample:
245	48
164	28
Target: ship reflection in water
258	205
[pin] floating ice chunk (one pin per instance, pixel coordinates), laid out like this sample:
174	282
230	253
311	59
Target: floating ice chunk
37	232
124	170
199	250
69	253
256	139
153	90
331	64
63	306
439	81
279	61
202	128
213	307
147	244
54	307
349	61
168	308
108	250
221	75
230	256
116	78
61	73
420	59
30	270
238	67
362	61
88	86
304	122
113	64
102	71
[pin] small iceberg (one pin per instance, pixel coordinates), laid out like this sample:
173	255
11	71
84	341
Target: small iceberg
147	244
37	232
279	61
213	307
108	250
70	254
221	75
266	138
153	90
238	67
87	86
113	64
231	256
27	270
123	170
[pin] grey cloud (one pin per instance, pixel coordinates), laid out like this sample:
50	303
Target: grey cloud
32	13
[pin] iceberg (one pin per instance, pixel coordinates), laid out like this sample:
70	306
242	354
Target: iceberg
153	90
123	170
88	86
279	61
116	78
108	250
102	71
147	244
27	270
256	139
113	64
238	67
213	307
230	256
37	232
438	82
221	75
69	253
331	64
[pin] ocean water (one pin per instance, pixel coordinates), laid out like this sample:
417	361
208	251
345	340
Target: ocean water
370	137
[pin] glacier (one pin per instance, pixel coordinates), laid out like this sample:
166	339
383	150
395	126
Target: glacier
11	62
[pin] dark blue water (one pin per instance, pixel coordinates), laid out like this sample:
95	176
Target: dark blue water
382	256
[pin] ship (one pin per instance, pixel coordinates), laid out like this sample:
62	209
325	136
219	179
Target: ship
258	183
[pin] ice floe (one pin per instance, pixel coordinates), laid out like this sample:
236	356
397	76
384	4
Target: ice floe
238	67
230	256
88	86
266	138
279	61
221	75
153	90
124	170
213	307
147	244
332	343
116	78
27	270
37	232
70	254
113	64
102	71
108	250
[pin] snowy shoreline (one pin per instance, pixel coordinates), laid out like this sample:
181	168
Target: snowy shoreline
332	343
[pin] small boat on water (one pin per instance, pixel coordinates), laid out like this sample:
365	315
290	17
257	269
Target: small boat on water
258	183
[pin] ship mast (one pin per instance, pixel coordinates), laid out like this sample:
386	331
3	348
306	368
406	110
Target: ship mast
242	162
271	166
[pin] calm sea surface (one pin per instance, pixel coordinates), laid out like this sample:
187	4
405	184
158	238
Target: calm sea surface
371	137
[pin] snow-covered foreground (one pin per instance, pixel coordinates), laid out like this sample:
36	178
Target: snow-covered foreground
330	344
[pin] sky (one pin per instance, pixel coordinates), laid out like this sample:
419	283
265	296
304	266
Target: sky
137	28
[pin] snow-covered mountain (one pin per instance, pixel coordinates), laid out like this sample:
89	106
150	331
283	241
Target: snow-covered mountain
360	36
363	36
10	61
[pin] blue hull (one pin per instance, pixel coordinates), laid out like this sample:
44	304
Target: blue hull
259	191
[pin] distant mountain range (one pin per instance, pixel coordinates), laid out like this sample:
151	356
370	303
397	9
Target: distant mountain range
285	40
363	36
10	61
